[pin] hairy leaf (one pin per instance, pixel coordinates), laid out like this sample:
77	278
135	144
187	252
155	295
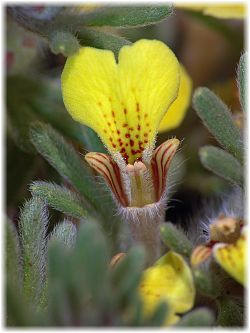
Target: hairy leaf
33	226
175	239
59	198
222	164
218	119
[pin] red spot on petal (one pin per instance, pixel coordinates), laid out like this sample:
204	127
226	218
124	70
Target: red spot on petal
131	129
131	143
125	111
114	145
118	132
127	135
113	114
145	134
137	136
124	125
137	107
111	139
138	127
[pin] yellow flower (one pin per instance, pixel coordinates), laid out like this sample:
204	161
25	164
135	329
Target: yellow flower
169	280
227	244
177	110
224	10
124	103
232	257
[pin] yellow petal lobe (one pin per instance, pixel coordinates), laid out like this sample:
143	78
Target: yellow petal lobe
178	108
232	257
123	102
223	11
169	280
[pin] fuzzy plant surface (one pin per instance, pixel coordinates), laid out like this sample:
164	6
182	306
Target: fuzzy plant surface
91	247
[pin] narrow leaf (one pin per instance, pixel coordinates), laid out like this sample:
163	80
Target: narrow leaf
101	40
222	164
62	156
116	16
241	79
64	232
59	198
13	264
218	119
201	317
33	226
175	239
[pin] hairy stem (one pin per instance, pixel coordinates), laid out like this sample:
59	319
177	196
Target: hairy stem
144	227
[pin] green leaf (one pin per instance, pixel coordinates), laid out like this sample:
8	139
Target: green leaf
201	317
13	264
222	164
33	226
242	80
158	317
91	141
126	275
62	156
63	42
91	247
101	40
64	232
230	312
175	239
207	282
218	119
128	16
59	198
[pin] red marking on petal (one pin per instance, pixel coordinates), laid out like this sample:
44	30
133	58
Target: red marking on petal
125	111
124	125
131	143
138	127
127	135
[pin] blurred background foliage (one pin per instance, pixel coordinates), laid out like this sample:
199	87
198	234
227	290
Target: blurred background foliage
44	159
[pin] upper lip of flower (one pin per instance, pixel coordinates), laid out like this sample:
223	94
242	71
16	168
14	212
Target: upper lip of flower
123	102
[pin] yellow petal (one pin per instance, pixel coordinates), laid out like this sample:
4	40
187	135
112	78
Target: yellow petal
169	280
125	102
229	11
224	11
177	110
232	257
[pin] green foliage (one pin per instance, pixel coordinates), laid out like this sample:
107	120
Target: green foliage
13	265
218	119
207	281
101	40
241	79
80	287
62	156
65	233
62	28
201	317
175	239
33	225
59	198
63	42
222	163
230	312
127	16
